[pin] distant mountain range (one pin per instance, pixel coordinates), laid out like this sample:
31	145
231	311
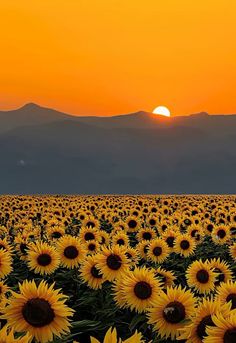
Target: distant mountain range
46	151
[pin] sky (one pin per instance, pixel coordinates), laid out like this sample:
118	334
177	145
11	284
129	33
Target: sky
107	57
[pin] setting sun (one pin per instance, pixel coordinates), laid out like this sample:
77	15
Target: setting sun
162	110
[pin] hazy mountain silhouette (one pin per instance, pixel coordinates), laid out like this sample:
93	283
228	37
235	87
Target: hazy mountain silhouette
45	151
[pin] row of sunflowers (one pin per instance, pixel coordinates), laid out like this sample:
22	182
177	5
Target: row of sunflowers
118	269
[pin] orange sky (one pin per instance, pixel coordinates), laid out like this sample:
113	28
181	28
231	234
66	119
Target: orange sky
107	57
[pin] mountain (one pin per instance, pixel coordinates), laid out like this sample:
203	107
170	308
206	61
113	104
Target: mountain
45	151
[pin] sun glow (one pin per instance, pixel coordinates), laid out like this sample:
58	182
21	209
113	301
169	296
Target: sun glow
162	110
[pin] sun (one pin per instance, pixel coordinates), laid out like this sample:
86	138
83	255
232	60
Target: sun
162	110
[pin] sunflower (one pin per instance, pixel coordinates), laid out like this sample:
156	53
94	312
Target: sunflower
220	234
146	234
55	232
158	250
3	290
140	289
7	336
91	222
232	251
90	274
222	269
111	337
104	237
223	331
92	247
184	245
226	292
112	262
208	227
42	258
166	277
201	277
4	244
171	311
142	249
40	311
195	232
132	255
196	331
88	234
120	238
132	224
170	236
71	251
5	263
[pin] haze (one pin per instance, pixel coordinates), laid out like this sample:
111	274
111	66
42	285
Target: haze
109	57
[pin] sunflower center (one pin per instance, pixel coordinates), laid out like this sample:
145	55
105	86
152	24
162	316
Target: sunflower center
157	251
38	312
132	224
184	244
193	233
230	336
90	224
56	234
221	233
201	328
152	222
91	247
174	312
170	241
209	227
71	252
142	290
96	273
114	261
44	260
89	236
232	297
120	241
147	236
202	276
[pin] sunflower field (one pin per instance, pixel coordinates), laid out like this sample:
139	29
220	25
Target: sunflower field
118	269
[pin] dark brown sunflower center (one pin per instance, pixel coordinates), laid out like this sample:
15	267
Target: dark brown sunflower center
142	290
221	233
147	236
201	328
120	241
96	273
44	260
174	312
92	247
184	244
170	241
157	251
90	224
232	297
71	252
114	261
56	234
230	336
152	222
132	224
193	233
38	312
209	227
89	236
202	276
